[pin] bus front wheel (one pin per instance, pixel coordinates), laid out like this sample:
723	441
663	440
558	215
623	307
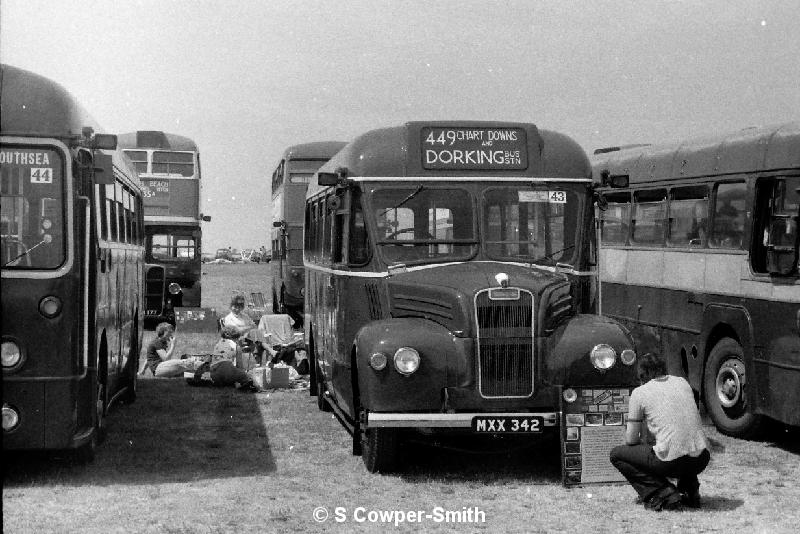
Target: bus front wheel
380	448
724	390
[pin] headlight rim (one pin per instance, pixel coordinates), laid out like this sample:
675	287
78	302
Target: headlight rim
415	356
594	359
20	355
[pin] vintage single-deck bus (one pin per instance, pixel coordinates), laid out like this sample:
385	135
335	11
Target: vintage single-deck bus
699	258
169	168
450	286
289	184
72	269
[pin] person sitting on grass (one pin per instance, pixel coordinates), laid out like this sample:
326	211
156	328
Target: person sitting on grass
237	319
222	364
159	354
665	404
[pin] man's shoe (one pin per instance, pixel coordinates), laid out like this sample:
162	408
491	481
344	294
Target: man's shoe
691	499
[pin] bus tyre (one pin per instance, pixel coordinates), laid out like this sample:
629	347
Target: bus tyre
380	449
724	391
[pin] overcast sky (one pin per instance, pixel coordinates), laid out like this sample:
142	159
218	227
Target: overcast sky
247	78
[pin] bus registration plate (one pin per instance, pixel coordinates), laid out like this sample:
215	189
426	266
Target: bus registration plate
507	424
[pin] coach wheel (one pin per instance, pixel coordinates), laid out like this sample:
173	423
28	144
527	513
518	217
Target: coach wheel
380	447
725	391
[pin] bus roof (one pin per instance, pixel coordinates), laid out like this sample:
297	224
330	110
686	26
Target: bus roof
37	106
751	149
313	150
156	139
398	151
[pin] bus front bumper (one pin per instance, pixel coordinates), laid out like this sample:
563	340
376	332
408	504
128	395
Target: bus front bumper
453	420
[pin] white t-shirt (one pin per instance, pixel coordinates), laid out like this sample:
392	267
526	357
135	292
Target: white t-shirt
666	404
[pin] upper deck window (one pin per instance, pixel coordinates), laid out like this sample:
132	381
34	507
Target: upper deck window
417	224
32	221
531	225
139	159
301	170
176	163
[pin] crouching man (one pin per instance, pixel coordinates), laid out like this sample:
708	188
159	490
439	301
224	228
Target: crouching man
665	404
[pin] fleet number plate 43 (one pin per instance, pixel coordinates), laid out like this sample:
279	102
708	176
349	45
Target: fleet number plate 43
506	424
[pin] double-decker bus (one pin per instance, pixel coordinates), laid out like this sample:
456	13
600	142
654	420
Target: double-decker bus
699	258
289	184
450	287
169	168
72	262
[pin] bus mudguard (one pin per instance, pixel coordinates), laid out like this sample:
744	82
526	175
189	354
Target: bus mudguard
387	389
571	345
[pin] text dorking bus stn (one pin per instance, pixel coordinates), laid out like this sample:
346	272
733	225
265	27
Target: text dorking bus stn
473	157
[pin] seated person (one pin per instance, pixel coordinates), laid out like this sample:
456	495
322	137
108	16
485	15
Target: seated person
281	344
159	354
222	364
236	319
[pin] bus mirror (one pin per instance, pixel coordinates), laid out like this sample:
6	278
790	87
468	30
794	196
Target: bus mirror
103	169
614	180
277	224
205	218
327	178
104	141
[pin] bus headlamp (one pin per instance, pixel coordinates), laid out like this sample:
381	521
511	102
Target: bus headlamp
406	360
378	361
50	306
603	356
628	356
174	288
11	354
10	418
570	395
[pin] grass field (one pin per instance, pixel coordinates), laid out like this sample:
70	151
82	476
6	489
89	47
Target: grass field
196	459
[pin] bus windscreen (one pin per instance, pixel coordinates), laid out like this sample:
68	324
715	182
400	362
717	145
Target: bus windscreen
32	204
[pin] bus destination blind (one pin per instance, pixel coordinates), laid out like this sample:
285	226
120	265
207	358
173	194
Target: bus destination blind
474	148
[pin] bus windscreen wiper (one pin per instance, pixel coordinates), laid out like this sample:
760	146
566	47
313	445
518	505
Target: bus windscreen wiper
550	256
409	197
28	250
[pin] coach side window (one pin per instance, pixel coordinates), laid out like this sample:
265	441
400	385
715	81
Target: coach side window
121	213
648	217
776	239
727	230
111	212
358	253
614	221
688	216
102	221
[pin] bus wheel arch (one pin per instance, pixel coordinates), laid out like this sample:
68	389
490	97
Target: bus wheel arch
725	388
379	447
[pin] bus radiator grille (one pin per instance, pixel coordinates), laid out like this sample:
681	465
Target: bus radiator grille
505	345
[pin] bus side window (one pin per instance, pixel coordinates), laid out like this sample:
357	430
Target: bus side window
688	216
776	239
615	221
111	212
727	230
102	221
648	217
358	252
120	213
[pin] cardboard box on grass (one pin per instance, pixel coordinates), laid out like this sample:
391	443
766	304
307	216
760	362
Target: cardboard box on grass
275	378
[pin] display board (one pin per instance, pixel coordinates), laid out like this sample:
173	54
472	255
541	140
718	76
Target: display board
590	427
191	319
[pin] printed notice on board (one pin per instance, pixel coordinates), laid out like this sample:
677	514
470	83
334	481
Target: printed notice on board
596	446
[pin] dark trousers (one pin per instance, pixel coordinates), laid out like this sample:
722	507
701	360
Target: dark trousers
647	474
